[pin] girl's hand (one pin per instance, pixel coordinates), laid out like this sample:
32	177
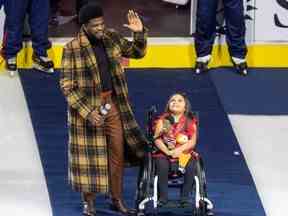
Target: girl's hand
176	153
170	153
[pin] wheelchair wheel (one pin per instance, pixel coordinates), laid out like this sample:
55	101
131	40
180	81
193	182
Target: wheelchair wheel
203	204
146	178
202	210
141	185
202	178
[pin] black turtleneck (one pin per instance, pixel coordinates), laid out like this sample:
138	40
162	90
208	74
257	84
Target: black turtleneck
102	61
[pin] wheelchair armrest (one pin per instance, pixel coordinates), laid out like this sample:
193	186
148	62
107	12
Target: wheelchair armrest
150	147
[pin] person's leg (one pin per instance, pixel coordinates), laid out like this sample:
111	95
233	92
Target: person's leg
205	33
234	16
235	22
162	168
13	32
114	133
15	14
188	180
205	26
38	19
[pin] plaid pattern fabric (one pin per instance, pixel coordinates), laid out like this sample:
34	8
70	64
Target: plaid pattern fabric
80	84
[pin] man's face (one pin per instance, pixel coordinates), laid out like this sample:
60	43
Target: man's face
96	27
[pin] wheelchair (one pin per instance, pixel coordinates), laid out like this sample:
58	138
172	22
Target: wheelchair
147	191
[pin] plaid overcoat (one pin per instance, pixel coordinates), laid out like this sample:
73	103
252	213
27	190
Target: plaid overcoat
81	86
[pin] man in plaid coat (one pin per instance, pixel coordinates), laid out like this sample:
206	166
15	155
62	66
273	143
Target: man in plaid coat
92	76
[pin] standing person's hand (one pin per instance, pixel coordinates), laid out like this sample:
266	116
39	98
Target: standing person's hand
95	118
134	22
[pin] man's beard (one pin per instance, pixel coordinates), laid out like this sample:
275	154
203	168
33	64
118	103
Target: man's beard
99	35
94	37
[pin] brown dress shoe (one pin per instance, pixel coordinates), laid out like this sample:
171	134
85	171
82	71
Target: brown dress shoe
119	206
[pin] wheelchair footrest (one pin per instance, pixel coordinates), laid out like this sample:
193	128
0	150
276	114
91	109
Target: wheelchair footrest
175	204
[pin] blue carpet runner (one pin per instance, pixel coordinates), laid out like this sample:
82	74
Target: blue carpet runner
263	92
230	185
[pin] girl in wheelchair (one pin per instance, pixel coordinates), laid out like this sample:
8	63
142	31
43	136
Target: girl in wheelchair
175	135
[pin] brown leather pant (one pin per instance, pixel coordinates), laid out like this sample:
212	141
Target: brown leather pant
114	135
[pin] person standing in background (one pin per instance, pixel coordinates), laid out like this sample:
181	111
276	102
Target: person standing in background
206	30
38	16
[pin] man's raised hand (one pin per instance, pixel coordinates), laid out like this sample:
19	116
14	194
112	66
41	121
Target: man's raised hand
134	22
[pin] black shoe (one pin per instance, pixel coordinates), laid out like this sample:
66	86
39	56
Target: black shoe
43	64
185	203
162	203
241	68
119	206
201	67
89	209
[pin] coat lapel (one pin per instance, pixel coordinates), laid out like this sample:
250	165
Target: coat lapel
113	52
89	57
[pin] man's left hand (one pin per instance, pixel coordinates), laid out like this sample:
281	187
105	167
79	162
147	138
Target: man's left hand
134	22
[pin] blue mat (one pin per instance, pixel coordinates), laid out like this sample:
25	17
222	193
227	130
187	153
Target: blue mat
230	185
263	92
